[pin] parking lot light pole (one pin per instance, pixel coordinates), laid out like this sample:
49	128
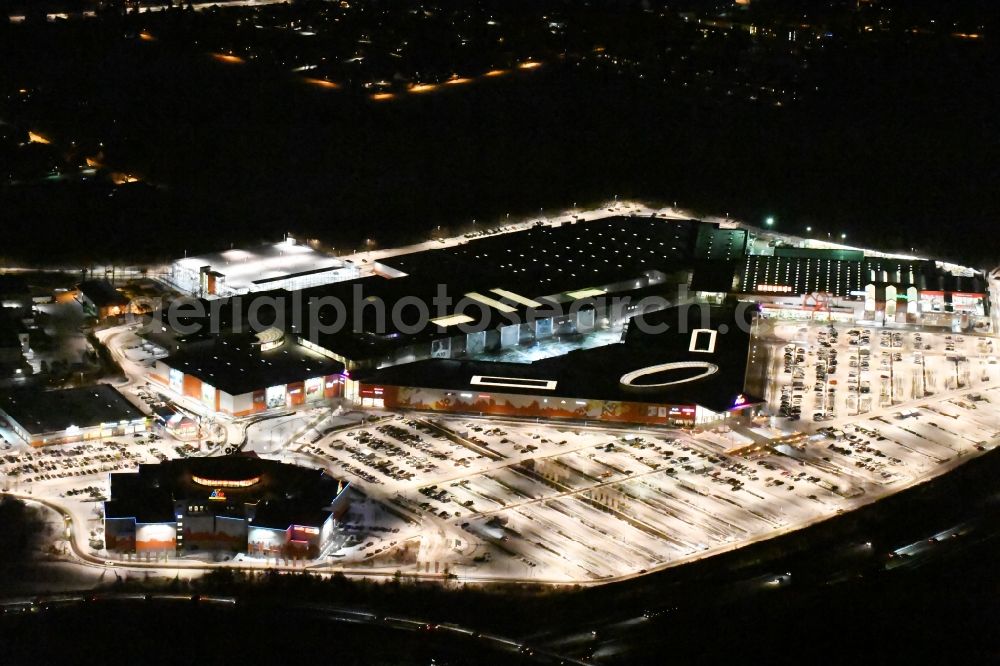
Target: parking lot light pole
826	383
858	382
923	374
892	377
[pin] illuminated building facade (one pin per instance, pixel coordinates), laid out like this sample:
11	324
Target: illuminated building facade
692	373
64	416
100	299
238	376
176	423
233	504
286	265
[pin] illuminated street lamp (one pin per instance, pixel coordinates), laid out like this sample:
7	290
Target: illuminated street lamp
809	230
769	221
843	236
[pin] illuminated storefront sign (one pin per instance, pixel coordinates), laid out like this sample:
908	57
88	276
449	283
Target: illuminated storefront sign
176	380
276	396
314	388
217	495
208	394
226	483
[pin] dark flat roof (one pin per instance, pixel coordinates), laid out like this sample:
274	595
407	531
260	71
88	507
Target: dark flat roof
236	365
52	411
11	285
713	275
595	373
530	264
549	259
284	495
102	293
534	263
10	327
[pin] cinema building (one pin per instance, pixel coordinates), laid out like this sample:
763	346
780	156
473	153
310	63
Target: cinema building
234	504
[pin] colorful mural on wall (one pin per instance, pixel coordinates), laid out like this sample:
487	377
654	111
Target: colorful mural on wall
507	404
155	537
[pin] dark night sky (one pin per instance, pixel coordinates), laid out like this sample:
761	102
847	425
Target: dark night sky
898	148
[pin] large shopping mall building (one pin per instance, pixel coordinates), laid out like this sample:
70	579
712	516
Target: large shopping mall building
692	372
543	322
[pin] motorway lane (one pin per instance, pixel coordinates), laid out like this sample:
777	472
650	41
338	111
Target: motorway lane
332	612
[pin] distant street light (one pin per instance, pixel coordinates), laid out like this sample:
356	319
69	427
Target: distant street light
769	221
809	230
843	236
